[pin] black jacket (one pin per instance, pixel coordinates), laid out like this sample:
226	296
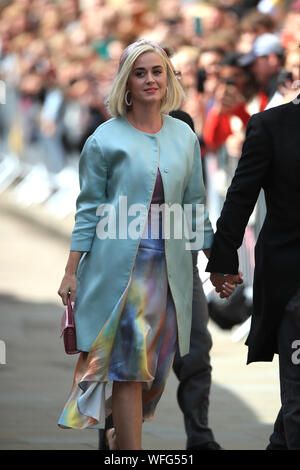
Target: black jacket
270	160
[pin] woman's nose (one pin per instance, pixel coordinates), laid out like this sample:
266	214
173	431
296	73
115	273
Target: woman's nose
149	78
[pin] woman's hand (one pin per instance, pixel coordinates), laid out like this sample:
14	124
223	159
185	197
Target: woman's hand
68	284
225	284
227	290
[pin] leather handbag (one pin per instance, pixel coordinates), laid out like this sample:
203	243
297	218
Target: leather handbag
68	330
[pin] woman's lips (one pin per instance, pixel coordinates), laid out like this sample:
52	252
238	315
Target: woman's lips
151	90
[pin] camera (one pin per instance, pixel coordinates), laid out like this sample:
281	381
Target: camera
201	77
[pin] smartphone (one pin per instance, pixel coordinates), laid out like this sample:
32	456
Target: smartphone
198	26
201	77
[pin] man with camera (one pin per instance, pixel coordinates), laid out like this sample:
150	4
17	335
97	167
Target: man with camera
236	88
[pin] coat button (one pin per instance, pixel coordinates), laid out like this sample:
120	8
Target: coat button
166	170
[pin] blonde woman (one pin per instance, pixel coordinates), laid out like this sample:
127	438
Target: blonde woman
132	292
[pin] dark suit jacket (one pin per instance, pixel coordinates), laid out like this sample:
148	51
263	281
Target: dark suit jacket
270	160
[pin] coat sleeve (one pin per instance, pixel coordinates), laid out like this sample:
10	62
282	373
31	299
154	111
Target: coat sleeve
194	196
92	182
249	178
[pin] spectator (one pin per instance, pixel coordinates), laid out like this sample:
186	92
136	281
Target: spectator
288	80
265	62
253	25
290	31
70	13
292	63
50	127
186	60
209	66
231	96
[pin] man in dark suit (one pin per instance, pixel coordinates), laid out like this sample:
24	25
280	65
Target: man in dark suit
270	160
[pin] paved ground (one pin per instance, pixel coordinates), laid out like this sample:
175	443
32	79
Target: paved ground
37	377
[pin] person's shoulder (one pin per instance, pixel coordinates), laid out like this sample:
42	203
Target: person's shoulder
107	127
177	128
105	134
277	113
178	125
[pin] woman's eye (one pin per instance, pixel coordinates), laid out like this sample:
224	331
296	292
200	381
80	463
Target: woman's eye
142	74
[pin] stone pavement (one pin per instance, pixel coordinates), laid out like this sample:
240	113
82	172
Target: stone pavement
37	376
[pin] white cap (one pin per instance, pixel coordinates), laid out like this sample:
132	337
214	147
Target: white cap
264	45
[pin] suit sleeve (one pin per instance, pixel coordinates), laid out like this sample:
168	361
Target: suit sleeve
194	196
250	176
92	182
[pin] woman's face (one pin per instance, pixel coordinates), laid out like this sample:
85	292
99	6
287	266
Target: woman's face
147	82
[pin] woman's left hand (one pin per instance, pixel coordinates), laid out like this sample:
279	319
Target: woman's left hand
227	290
225	285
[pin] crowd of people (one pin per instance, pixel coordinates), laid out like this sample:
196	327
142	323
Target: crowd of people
234	58
58	59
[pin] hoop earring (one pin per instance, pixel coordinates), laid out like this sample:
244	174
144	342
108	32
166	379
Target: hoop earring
166	95
128	103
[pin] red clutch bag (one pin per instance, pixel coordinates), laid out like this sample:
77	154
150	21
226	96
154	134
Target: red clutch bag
68	328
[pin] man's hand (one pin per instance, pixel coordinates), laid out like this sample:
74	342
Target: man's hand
225	284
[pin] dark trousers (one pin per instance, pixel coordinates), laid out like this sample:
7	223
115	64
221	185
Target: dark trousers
193	372
286	434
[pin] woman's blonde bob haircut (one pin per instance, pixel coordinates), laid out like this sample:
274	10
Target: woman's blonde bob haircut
116	99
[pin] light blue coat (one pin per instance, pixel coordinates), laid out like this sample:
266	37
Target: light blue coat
120	160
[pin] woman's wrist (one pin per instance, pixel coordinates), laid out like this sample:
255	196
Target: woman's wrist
73	261
70	272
